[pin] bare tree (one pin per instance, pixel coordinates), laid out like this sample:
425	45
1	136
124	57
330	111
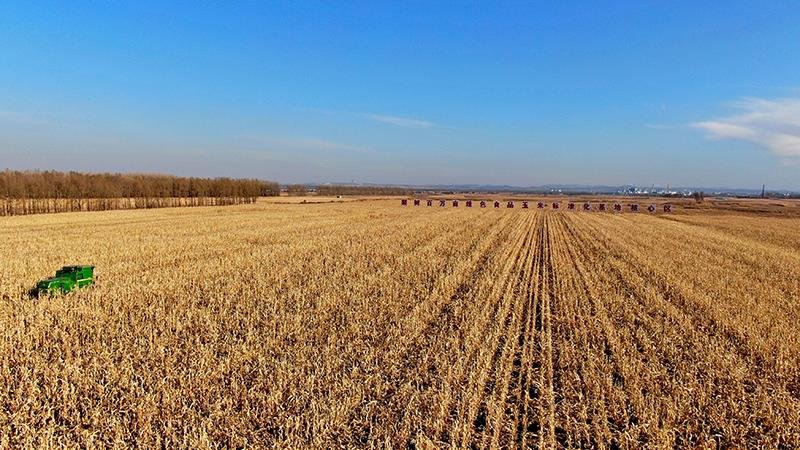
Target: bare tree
296	189
32	192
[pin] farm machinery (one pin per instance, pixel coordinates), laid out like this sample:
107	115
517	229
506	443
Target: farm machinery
570	206
66	279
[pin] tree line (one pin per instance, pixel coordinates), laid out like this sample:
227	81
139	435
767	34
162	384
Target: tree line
333	189
34	192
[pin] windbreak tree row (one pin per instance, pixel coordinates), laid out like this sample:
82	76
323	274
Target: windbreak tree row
34	192
334	189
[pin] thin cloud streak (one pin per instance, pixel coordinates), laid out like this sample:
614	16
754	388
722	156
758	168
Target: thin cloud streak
658	126
770	124
303	144
21	118
404	122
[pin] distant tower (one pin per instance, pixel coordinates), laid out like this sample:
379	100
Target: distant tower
763	191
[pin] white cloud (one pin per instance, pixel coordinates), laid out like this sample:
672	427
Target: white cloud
771	124
401	121
727	130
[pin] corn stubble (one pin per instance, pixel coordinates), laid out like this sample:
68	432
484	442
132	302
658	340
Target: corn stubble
371	325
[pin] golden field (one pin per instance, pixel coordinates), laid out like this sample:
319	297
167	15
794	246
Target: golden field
367	324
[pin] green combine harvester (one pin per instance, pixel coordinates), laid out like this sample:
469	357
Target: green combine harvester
67	279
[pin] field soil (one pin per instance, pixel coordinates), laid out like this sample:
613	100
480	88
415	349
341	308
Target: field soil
368	324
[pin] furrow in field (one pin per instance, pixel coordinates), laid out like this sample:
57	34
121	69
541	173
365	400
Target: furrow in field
689	295
411	365
477	321
491	377
781	232
507	370
611	413
580	344
650	352
521	384
547	280
484	336
533	388
405	324
675	347
529	388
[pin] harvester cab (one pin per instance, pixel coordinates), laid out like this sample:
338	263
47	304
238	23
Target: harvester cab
66	280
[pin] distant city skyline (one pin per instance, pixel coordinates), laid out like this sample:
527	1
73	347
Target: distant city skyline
701	94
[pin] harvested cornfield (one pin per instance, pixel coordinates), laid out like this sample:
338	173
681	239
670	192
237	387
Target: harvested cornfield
367	324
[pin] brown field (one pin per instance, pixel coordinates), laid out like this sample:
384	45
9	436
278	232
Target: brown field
365	324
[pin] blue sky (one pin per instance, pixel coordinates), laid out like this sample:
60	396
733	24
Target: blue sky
681	93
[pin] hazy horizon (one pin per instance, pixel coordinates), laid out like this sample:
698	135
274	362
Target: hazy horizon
683	94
